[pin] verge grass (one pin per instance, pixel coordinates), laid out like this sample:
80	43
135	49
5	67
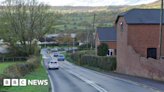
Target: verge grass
39	74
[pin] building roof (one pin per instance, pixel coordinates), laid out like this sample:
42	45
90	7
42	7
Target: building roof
141	16
107	33
47	40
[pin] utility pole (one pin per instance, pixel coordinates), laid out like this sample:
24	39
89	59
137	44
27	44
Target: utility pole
92	33
45	41
73	44
160	33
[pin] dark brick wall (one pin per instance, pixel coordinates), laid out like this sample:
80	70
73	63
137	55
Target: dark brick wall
141	37
132	46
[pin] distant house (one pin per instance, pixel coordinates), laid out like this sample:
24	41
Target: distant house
138	43
52	35
106	35
47	41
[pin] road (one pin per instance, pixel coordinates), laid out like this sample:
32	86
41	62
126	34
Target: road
73	78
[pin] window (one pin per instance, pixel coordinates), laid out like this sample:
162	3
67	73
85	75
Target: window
110	52
151	53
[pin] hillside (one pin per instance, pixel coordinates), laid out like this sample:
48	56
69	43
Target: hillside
80	18
83	8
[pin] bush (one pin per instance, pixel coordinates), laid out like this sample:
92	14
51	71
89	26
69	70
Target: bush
102	62
19	70
102	49
75	57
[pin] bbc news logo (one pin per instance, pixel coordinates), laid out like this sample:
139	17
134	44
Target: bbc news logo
23	82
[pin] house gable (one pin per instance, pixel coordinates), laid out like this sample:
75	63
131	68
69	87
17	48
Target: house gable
141	16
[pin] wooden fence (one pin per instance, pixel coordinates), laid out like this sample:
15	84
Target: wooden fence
5	59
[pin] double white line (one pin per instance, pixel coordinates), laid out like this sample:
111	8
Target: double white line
100	89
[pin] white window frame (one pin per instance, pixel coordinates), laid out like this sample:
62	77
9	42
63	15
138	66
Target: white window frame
111	50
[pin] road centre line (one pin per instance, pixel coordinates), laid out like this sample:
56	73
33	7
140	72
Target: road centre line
100	89
125	80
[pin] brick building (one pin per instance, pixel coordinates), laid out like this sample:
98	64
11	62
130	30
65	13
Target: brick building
106	35
137	43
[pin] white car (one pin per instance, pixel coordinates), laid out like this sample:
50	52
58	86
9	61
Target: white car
54	50
53	65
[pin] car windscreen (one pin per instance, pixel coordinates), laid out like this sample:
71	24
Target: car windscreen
61	56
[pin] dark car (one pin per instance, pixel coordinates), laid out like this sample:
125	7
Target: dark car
55	54
61	57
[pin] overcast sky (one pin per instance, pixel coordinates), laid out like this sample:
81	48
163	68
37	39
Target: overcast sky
95	2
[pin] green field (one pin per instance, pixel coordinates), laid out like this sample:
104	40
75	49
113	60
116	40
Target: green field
5	64
72	22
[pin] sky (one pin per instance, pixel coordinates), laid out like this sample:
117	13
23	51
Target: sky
94	2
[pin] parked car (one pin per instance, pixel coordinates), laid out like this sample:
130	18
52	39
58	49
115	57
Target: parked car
53	65
61	57
55	54
54	50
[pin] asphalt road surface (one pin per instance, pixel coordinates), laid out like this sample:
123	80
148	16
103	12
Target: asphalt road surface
73	78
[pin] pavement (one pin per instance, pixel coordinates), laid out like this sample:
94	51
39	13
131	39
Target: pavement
74	78
140	80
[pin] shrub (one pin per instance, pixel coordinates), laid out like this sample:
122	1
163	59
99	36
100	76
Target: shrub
100	62
19	70
102	49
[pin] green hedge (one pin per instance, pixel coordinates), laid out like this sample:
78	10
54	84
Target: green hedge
75	57
19	70
101	62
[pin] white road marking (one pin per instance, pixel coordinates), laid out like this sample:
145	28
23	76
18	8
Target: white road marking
125	80
45	57
52	86
100	89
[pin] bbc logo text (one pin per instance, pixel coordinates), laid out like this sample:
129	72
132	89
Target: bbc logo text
23	82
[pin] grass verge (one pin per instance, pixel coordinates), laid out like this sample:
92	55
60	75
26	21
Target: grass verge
3	65
39	74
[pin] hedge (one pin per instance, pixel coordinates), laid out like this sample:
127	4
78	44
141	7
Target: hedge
19	70
101	62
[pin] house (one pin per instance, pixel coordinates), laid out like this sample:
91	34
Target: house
47	41
106	35
138	42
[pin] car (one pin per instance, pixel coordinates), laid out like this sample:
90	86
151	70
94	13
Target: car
61	57
54	50
55	54
53	65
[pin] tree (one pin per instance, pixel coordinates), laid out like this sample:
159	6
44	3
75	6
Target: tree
23	21
81	36
74	23
60	38
102	49
100	25
67	38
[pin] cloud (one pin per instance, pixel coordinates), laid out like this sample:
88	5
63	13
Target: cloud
94	2
99	2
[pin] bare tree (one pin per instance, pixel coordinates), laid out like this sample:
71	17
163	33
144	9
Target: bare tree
24	21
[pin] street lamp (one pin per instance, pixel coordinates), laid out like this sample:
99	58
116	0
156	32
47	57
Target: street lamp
73	36
45	41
